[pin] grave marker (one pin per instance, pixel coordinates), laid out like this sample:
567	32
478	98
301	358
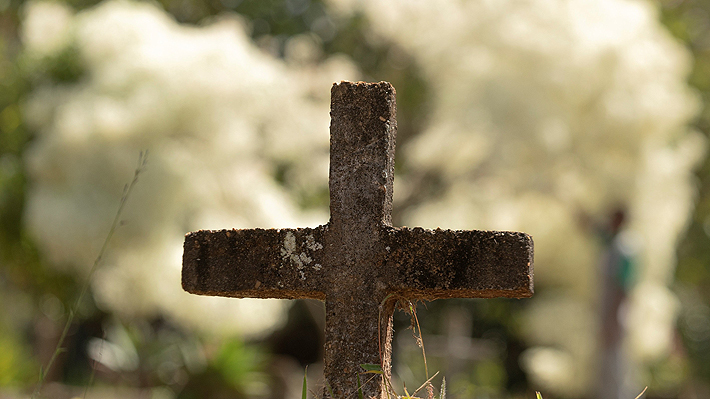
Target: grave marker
358	263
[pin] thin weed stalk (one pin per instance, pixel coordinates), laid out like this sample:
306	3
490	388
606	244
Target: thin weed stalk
127	189
418	338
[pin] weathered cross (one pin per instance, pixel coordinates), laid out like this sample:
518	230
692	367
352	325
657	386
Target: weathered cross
358	263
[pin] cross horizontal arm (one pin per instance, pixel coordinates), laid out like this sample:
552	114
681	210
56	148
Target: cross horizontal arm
255	263
435	264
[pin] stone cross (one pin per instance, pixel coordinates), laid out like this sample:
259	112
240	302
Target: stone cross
358	263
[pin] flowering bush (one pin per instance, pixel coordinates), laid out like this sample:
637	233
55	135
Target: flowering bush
222	120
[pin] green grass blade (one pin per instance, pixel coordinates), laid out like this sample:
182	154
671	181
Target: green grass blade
304	392
359	387
538	395
406	393
330	390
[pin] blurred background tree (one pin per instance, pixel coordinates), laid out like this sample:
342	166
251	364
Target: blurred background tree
531	116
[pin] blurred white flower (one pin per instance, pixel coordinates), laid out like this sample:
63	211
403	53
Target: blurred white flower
551	367
653	311
563	330
46	27
220	118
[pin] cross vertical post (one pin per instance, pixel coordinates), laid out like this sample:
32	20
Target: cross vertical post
362	135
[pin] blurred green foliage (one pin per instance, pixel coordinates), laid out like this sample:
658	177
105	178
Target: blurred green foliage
24	280
16	363
493	324
689	21
242	366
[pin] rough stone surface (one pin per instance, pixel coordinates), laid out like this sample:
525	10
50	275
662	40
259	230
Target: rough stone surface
358	263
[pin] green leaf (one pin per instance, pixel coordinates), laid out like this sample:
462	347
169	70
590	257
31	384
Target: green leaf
539	396
372	368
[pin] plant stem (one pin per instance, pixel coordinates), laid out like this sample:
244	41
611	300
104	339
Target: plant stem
142	160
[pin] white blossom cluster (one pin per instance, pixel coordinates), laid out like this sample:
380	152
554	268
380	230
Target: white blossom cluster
544	113
219	117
